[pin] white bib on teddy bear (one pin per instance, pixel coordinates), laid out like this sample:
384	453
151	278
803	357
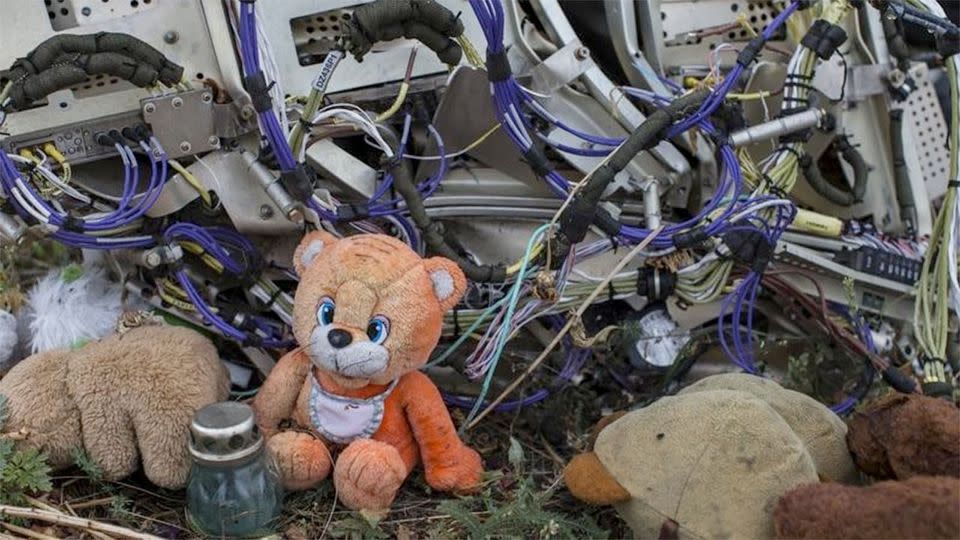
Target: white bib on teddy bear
341	419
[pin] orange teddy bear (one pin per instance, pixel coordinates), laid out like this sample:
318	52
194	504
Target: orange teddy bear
367	313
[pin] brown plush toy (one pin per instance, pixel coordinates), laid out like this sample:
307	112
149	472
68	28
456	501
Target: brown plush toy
712	461
367	314
127	396
922	507
907	437
902	435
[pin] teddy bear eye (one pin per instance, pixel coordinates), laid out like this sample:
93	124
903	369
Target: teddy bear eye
377	329
326	311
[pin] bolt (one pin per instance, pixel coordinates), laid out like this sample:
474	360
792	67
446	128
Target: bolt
582	53
185	147
176	102
171	37
86	11
295	215
153	260
206	97
247	112
266	212
213	141
149	108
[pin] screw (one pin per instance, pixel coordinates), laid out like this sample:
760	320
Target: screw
213	141
153	260
149	108
295	215
86	11
185	147
266	212
247	112
176	102
206	97
171	37
582	53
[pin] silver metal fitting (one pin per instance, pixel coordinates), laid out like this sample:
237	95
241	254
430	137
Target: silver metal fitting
164	254
777	127
12	228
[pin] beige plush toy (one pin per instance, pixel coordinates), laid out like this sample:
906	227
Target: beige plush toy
712	461
127	396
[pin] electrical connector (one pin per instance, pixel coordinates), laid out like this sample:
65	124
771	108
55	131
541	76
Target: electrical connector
880	263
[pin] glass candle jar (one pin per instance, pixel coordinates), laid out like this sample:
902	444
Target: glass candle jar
234	486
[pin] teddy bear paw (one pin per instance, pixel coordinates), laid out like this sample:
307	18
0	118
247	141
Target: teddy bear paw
303	460
368	474
462	474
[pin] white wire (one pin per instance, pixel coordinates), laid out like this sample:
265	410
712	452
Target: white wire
272	73
765	204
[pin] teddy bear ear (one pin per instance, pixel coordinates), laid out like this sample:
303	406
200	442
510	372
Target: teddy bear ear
312	245
448	281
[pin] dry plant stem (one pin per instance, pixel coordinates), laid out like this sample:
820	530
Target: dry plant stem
566	327
89	504
27	533
65	520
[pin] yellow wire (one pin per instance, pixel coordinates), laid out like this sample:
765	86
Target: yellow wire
515	267
401	96
51	150
192	180
208	259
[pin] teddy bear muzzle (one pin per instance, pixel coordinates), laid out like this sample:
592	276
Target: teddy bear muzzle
335	349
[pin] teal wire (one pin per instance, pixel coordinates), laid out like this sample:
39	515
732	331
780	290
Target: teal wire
466	333
514	299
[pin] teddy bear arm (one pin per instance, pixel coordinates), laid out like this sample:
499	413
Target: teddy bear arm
278	395
108	437
448	463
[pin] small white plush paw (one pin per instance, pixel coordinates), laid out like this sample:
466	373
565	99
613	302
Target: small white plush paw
8	338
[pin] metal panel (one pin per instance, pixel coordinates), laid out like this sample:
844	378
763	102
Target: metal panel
177	28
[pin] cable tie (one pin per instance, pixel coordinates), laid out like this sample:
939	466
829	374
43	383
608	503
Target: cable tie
538	161
749	53
824	38
456	322
953	184
498	67
256	85
73	224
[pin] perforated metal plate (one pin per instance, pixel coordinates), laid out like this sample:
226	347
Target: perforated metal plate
686	22
930	130
67	14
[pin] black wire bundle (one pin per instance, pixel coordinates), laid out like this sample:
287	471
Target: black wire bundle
66	60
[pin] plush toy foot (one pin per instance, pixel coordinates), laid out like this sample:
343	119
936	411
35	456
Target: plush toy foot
303	460
461	473
368	474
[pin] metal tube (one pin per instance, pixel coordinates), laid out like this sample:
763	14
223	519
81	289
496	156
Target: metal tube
777	127
271	185
651	203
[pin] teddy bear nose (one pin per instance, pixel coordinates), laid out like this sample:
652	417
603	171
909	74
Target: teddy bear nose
339	338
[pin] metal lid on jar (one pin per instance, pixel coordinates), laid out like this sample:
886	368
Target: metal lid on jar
224	432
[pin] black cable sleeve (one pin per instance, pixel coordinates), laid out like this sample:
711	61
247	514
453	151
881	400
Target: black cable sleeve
861	171
71	70
50	52
430	231
898	381
895	43
820	184
383	20
901	177
39	86
575	220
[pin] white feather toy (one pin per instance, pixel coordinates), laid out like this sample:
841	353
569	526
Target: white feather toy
72	305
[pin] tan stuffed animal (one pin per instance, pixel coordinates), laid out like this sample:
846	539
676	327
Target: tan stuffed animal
712	461
367	313
127	396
